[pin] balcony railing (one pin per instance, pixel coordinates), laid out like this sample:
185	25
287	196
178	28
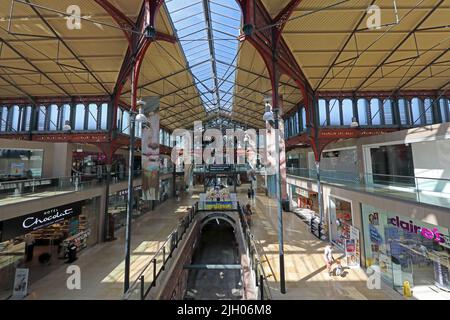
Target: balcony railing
427	190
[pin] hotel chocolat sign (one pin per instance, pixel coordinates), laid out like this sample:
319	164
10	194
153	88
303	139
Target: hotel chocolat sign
41	219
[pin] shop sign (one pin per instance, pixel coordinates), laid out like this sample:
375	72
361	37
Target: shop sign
41	219
125	191
413	227
218	205
302	192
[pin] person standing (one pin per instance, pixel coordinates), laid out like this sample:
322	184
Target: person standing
249	193
328	256
29	246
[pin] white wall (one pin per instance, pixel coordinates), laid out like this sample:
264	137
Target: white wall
432	160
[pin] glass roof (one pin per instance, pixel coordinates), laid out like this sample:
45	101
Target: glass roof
208	32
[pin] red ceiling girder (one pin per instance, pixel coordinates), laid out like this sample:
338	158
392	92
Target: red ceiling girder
284	15
137	45
119	17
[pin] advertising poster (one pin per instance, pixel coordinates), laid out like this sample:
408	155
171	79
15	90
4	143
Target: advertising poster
355	260
20	283
17	168
150	150
350	252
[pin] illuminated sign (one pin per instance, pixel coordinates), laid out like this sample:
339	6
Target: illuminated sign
218	205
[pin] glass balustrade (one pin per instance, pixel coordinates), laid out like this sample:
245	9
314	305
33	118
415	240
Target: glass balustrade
22	190
427	190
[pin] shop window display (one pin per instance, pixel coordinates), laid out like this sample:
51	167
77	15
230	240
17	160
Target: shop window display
28	243
18	164
407	250
341	220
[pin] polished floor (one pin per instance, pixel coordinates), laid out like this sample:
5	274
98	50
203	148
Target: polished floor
306	274
102	266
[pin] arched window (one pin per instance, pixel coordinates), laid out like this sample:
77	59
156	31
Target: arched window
335	114
53	117
387	112
27	122
428	110
65	115
347	111
362	112
322	112
126	122
161	136
3	118
304	119
104	117
416	112
42	111
375	112
92	116
119	119
15	118
404	111
444	107
80	112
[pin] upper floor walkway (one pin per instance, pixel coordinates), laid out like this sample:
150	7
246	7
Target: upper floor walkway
430	191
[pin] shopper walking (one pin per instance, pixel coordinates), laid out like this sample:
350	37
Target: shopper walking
29	246
328	256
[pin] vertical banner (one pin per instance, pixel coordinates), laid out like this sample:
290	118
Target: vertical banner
150	150
282	151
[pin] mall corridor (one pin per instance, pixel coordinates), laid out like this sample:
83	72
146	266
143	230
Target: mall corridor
102	266
306	276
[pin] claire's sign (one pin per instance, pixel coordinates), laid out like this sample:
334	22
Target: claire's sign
41	219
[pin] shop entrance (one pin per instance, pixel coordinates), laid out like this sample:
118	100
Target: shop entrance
341	221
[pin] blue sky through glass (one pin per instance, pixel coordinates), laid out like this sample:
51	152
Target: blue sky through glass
212	60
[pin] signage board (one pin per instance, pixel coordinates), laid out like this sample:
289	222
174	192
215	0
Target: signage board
20	288
24	224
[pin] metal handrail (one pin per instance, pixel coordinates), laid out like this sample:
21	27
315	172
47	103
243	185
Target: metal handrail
174	238
251	243
136	172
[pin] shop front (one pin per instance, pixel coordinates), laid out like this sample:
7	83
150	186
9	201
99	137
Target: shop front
304	199
408	252
43	240
16	164
341	221
92	165
117	206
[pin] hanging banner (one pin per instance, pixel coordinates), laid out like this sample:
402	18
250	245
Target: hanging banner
150	149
